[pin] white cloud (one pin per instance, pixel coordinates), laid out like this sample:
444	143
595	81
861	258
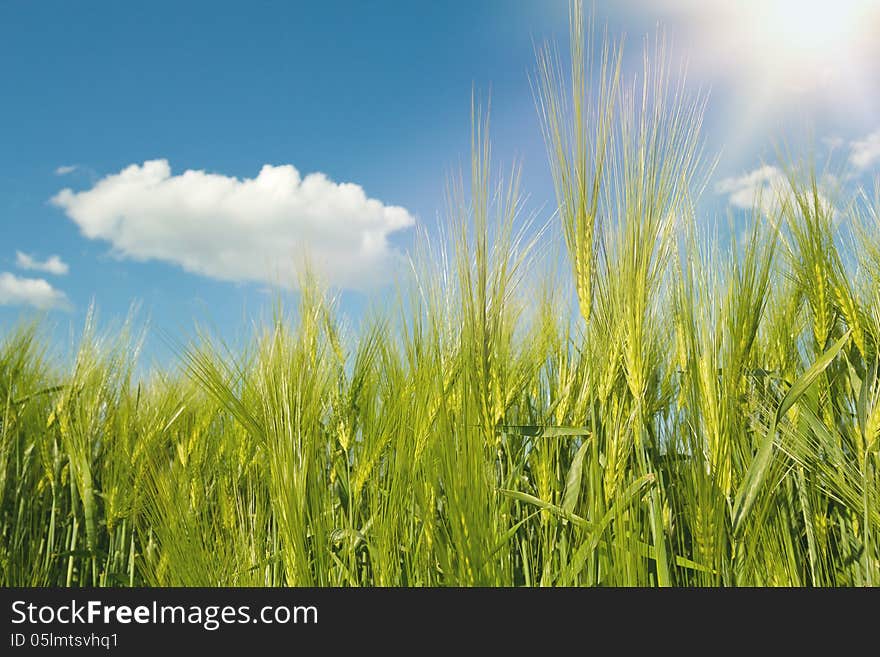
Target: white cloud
255	229
66	169
833	142
52	265
765	185
865	152
768	188
17	291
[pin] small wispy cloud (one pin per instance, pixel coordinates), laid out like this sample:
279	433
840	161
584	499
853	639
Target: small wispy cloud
33	292
865	153
833	142
767	189
66	169
765	185
52	265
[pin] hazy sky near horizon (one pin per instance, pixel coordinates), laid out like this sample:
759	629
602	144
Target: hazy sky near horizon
184	155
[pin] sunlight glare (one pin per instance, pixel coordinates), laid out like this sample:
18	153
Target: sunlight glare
815	27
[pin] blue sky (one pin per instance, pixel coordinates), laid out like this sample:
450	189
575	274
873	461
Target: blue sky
114	101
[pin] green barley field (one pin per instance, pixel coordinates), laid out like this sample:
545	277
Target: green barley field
682	400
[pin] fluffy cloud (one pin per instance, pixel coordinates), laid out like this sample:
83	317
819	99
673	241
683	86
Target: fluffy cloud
64	170
52	265
865	152
255	229
35	292
765	185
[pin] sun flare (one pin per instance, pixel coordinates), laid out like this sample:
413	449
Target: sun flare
780	36
781	55
815	27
